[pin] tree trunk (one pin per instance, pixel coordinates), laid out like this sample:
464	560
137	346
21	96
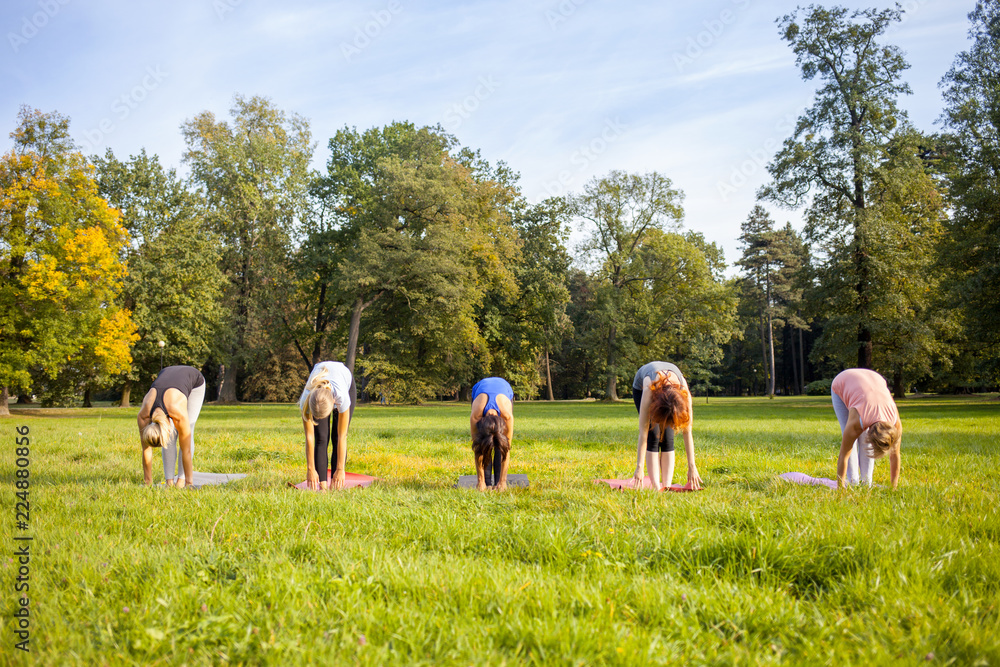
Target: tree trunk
611	394
4	403
802	363
126	394
86	398
548	373
864	347
763	352
791	349
770	344
353	333
227	387
898	390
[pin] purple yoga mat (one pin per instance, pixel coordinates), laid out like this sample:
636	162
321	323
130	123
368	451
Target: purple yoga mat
802	478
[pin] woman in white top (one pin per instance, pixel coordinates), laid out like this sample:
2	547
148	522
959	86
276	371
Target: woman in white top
327	405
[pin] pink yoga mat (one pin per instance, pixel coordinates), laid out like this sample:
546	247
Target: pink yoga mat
351	480
802	478
646	484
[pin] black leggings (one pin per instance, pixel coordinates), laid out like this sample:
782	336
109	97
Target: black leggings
653	441
322	432
494	478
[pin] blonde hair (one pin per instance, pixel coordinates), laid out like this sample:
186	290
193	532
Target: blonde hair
882	437
158	432
319	404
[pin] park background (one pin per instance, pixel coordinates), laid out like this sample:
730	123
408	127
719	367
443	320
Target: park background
254	239
425	264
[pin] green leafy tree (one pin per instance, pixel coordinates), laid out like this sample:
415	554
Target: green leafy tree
901	235
254	175
619	212
61	275
972	255
840	149
174	285
770	261
686	308
414	238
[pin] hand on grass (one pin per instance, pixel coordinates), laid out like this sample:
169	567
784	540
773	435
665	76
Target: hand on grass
636	481
312	479
502	485
338	480
694	479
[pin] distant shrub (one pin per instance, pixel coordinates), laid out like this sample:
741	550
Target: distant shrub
819	388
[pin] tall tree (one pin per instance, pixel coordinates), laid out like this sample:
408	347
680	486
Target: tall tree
771	260
254	174
619	212
972	116
415	237
174	283
842	142
59	265
522	327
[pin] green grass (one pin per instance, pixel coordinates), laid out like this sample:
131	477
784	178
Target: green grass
411	571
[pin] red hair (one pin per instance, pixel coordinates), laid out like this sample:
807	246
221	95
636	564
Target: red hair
669	404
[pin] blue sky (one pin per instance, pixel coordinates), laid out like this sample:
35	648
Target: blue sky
562	90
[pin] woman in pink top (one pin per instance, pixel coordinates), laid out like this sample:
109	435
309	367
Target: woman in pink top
864	405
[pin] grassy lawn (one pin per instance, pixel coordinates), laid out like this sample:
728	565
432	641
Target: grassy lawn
751	570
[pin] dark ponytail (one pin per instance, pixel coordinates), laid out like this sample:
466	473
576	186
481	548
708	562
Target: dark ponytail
491	433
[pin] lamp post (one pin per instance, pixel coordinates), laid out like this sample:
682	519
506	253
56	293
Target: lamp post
162	345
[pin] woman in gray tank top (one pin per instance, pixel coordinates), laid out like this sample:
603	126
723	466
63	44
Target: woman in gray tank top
663	400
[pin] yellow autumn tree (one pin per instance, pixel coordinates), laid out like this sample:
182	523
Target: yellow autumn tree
60	271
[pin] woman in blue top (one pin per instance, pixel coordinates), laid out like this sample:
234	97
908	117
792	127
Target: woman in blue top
492	427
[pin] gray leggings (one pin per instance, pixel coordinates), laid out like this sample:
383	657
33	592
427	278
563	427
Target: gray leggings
859	465
171	453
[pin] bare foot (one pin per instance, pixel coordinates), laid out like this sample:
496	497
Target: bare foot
181	482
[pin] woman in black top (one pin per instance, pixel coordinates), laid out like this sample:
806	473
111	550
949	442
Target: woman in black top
166	418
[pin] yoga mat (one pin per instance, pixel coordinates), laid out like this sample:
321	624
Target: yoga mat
211	479
647	483
470	481
802	478
351	480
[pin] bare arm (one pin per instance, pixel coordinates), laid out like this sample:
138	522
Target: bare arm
147	401
147	465
507	412
852	431
894	458
183	427
694	479
312	476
